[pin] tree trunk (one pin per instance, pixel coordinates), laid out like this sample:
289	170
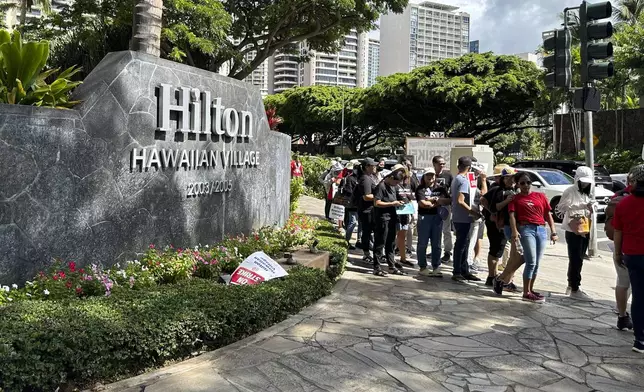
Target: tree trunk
23	15
146	29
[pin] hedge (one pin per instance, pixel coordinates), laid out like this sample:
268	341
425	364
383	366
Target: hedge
74	343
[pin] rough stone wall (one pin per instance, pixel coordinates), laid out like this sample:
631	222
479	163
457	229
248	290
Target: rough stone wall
622	128
67	189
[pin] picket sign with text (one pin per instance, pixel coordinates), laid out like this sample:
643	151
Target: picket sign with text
257	268
337	212
471	177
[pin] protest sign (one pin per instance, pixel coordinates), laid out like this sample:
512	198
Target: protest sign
257	268
336	212
407	209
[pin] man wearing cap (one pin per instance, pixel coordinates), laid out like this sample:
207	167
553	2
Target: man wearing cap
629	250
463	216
386	220
364	201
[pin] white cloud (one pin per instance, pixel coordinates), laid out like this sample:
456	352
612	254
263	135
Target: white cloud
509	26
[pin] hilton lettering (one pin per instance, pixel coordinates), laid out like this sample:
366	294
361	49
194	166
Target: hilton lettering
198	113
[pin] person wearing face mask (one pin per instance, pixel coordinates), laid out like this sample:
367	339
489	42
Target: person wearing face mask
575	207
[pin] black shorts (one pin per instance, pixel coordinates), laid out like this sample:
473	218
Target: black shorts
497	239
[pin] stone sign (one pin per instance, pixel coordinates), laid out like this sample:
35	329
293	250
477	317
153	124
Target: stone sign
157	152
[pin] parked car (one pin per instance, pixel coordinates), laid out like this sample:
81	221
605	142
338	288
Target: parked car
619	181
553	183
602	175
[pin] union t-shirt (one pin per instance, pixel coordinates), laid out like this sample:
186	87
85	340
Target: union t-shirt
386	194
427	193
530	209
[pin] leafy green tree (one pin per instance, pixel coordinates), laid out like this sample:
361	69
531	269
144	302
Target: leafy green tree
628	11
476	95
629	57
25	5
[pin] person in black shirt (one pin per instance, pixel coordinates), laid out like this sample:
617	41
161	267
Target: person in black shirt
444	178
430	197
363	196
413	185
494	219
386	220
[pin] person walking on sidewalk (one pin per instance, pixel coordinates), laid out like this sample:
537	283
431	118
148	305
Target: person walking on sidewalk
430	197
478	227
463	216
623	282
331	182
386	221
629	250
500	204
444	178
575	207
529	212
364	197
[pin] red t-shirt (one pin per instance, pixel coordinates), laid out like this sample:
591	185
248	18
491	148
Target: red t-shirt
296	169
628	218
531	209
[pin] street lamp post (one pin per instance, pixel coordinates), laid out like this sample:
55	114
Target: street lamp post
342	129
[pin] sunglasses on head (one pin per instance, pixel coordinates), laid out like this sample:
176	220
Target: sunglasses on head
525	183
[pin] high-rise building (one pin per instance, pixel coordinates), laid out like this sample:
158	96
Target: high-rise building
374	61
423	33
12	16
474	46
348	67
529	56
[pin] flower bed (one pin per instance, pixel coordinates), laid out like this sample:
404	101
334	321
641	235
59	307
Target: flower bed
71	327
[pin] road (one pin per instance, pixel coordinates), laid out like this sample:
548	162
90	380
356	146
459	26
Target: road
602	240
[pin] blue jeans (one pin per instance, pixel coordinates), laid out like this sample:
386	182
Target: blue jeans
635	265
430	228
350	223
533	242
461	245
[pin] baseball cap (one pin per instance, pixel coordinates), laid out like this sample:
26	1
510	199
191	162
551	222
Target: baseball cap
369	162
464	161
585	174
429	170
349	165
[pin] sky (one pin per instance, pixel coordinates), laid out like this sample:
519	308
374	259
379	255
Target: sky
509	26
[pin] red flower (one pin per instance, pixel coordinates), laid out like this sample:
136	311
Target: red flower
61	275
79	290
72	266
68	284
55	277
82	271
151	246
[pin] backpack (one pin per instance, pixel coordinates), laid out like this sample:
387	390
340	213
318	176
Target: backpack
609	213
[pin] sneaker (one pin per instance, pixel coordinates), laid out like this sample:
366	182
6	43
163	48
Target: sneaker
538	295
530	297
568	290
638	347
624	322
472	277
436	273
446	257
407	263
510	287
425	272
489	281
498	286
458	278
580	296
351	247
367	259
474	268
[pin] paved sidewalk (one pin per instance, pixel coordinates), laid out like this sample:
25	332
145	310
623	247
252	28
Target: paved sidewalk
406	333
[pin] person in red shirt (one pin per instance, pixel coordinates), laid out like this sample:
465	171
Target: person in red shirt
297	170
629	249
529	212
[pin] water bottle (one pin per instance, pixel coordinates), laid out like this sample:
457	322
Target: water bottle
519	247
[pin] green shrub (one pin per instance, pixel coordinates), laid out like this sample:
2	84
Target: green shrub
297	189
334	243
21	79
314	166
72	343
618	160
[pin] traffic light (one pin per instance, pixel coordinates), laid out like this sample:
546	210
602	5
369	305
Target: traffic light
590	30
558	72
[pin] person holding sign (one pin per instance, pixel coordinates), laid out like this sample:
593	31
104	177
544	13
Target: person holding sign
363	195
430	197
575	207
386	220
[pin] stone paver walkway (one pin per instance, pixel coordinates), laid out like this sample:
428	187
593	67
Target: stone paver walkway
406	333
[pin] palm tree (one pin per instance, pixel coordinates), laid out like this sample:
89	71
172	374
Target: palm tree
25	5
628	11
146	29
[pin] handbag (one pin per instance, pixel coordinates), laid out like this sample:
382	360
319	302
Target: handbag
579	225
342	200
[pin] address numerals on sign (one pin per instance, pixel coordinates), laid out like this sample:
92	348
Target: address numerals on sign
208	188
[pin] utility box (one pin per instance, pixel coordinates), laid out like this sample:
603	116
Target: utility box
482	152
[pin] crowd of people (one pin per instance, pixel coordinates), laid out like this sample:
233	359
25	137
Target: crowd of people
452	212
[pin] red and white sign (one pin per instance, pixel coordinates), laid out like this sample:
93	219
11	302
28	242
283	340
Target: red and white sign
257	268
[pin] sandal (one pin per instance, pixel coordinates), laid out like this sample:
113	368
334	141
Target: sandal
396	271
379	272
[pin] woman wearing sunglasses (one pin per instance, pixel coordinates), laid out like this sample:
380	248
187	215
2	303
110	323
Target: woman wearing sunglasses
529	212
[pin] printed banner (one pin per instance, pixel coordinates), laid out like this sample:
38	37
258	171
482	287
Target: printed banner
257	268
337	212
